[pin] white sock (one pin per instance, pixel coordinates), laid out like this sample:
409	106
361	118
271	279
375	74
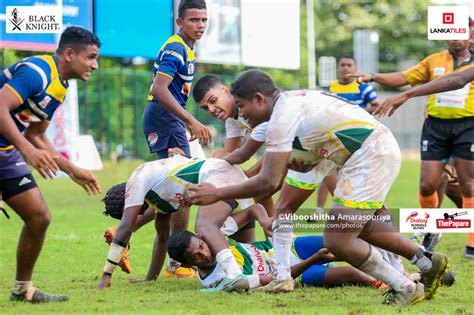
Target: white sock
378	268
282	238
113	258
22	286
227	260
254	281
421	261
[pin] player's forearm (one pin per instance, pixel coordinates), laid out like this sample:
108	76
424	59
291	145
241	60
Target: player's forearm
238	156
299	268
255	169
252	187
451	82
158	257
393	79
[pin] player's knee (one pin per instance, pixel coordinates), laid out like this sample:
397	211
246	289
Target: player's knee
40	221
428	187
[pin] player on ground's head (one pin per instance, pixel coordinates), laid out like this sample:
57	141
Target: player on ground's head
306	128
162	184
31	91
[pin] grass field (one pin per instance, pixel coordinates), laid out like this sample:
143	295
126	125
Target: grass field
74	254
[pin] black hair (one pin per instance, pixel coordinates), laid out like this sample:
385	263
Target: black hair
203	85
76	37
347	57
178	244
114	201
251	82
190	4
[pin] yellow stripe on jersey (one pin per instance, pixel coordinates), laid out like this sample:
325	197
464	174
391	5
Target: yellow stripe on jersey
238	256
447	105
166	75
13	91
56	89
353	124
177	180
337	87
299	184
177	39
7	148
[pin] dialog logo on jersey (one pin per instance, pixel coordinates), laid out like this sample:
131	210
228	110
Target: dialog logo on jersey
34	19
450	222
152	139
448	22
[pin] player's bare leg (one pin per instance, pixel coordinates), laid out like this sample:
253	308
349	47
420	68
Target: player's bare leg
341	238
430	182
291	198
32	209
465	170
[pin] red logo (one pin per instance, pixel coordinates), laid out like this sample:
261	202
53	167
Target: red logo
449	221
182	200
152	139
323	153
448	18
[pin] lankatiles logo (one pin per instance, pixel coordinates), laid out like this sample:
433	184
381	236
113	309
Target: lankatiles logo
417	221
448	22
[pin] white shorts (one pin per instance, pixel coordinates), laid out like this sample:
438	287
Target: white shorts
366	177
312	179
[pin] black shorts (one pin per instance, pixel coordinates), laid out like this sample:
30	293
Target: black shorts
15	186
442	138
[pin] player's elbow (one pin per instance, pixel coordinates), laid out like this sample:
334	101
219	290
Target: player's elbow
268	185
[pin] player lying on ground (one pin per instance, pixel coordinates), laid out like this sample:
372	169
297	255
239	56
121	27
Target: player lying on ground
162	185
304	129
308	262
31	91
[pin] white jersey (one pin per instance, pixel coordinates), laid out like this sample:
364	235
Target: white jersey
162	183
238	127
316	125
253	258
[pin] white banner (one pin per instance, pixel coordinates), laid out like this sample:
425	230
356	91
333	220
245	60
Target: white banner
436	220
34	19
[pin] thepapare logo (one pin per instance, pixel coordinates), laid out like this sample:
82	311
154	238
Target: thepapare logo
34	19
448	23
449	221
418	221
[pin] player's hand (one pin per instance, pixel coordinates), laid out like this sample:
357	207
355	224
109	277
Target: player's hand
267	227
105	282
175	151
199	131
86	180
43	161
361	77
390	105
324	253
139	281
203	194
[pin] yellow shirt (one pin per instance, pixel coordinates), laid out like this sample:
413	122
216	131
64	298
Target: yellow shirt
446	105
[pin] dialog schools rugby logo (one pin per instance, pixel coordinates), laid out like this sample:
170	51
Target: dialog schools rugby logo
417	221
449	221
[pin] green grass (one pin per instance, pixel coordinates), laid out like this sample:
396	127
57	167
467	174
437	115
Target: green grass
74	254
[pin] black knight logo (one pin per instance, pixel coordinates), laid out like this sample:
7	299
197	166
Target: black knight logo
16	21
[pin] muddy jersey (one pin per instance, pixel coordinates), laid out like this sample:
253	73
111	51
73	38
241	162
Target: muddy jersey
316	125
163	183
238	126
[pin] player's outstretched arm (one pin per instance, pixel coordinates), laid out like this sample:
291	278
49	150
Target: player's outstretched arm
322	254
36	134
393	79
163	95
41	160
119	243
273	169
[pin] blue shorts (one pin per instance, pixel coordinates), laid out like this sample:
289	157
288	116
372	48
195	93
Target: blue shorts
305	247
12	164
163	130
